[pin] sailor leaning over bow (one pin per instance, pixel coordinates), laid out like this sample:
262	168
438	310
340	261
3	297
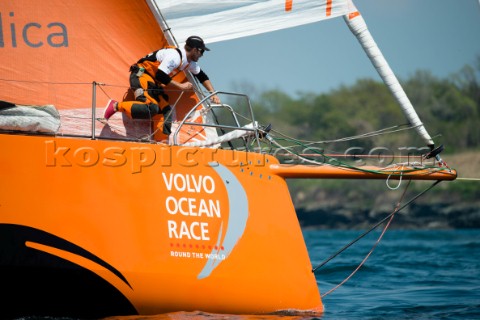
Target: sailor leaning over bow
154	71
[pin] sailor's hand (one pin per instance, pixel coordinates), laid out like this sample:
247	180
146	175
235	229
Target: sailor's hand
215	99
186	86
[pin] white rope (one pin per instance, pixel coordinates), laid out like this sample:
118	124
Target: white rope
399	182
469	179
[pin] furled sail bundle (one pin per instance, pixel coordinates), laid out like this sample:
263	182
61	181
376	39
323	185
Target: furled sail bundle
359	28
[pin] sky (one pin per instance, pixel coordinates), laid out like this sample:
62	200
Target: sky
440	36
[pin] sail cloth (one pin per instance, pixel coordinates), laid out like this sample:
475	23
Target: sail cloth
29	118
219	20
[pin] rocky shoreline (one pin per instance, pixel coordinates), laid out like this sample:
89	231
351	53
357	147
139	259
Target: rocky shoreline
416	216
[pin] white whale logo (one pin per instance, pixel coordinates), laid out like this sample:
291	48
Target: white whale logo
237	221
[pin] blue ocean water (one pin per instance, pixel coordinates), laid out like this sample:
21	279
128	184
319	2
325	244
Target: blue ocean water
410	275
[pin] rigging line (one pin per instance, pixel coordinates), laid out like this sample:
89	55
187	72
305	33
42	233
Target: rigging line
360	136
468	179
373	247
354	155
346	166
309	144
44	82
103	90
321	153
379	132
370	134
375	226
341	164
399	182
64	83
221	129
361	263
112	85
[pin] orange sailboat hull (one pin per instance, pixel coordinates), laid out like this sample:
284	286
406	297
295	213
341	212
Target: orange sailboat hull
157	228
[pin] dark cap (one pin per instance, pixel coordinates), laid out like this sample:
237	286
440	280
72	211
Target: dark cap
196	42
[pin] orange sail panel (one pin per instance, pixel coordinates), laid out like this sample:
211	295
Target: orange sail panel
52	51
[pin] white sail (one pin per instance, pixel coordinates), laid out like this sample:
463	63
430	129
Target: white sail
219	20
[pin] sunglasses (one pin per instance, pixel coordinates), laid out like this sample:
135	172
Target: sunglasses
201	51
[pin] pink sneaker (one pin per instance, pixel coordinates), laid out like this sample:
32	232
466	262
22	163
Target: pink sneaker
110	109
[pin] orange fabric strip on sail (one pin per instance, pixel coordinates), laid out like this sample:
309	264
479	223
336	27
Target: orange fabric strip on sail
329	8
288	5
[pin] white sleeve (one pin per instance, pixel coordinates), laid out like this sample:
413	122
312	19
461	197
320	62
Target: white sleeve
170	60
194	68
